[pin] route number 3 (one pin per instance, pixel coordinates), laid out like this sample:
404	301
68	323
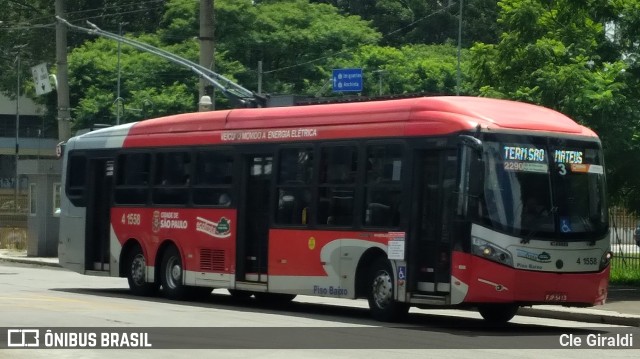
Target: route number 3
562	169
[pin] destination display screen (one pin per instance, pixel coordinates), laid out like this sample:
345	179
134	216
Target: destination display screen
527	158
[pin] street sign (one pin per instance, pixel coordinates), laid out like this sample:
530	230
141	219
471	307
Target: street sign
345	80
41	79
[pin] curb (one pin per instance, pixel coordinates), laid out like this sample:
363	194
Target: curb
599	317
30	261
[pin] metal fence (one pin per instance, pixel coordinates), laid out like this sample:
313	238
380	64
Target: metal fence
13	219
623	244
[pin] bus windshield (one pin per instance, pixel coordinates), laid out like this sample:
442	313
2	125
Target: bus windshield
538	187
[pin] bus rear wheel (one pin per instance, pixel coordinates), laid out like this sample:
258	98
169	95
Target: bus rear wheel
381	291
137	274
171	275
498	313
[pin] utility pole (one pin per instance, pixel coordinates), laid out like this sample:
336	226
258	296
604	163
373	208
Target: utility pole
64	110
206	42
459	75
119	100
17	183
260	77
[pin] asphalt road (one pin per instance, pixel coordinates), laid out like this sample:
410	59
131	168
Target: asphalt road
52	298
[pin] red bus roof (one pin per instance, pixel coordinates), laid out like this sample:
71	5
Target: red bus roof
408	117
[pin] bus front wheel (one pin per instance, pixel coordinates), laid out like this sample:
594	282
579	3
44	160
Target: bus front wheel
497	313
171	275
137	274
380	293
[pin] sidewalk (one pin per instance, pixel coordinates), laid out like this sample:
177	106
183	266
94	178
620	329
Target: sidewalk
622	307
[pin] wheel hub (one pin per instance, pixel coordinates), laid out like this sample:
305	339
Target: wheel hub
382	288
138	267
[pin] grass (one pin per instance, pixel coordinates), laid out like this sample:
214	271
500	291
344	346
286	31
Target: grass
625	271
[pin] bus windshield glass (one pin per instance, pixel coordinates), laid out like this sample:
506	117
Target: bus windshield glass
537	187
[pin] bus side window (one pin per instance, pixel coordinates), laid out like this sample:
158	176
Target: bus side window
212	182
76	179
295	175
383	188
132	178
338	169
172	173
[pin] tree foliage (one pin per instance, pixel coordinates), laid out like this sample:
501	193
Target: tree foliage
426	21
577	56
558	54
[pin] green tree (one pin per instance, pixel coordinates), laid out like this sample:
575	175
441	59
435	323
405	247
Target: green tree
292	38
427	22
410	69
556	54
150	85
28	27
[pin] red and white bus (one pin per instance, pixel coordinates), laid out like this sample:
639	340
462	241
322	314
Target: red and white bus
433	201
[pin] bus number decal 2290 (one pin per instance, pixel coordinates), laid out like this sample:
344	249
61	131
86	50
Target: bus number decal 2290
131	219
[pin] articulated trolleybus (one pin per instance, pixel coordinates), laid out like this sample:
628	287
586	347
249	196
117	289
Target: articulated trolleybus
433	201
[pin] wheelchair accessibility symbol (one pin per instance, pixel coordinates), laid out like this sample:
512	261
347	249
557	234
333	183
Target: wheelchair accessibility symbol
565	225
401	273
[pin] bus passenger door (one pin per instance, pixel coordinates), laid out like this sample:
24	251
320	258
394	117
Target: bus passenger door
254	218
100	185
430	258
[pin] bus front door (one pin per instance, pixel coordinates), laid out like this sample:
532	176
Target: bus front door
434	173
254	216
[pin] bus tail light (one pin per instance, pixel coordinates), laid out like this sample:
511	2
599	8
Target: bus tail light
490	251
606	259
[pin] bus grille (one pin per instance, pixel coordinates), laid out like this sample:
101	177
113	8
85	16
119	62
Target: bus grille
212	260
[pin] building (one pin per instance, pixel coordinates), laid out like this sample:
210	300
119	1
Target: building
36	146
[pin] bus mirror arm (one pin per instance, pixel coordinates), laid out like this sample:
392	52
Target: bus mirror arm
471	141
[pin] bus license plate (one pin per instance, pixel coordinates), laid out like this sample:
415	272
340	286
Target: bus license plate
555	297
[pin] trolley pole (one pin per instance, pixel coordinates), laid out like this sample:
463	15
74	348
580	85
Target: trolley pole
64	110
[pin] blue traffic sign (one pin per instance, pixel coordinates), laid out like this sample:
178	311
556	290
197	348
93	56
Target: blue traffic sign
345	80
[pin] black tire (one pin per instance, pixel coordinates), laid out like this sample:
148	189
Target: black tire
136	266
380	292
274	299
498	313
171	273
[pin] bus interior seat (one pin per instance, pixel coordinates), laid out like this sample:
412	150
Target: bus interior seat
341	210
378	214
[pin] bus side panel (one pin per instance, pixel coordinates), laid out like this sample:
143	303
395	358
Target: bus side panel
319	263
490	282
205	237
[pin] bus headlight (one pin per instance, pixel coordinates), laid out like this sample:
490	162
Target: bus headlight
490	251
606	259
